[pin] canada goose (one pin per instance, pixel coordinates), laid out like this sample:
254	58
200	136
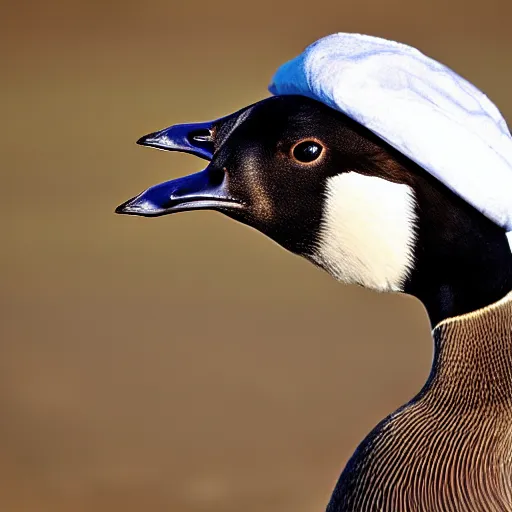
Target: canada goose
340	187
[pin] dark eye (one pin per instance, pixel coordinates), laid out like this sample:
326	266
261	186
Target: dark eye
307	151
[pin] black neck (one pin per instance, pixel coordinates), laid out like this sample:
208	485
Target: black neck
463	260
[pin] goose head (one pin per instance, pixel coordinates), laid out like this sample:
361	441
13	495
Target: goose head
327	189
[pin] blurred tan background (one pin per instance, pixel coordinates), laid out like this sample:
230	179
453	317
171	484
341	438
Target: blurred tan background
184	363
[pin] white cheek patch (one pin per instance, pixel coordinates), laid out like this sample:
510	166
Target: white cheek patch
368	231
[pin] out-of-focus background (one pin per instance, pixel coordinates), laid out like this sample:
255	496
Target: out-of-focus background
185	363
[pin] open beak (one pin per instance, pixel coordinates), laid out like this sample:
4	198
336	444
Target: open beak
193	138
205	190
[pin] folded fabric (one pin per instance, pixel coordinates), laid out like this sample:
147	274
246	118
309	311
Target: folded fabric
419	106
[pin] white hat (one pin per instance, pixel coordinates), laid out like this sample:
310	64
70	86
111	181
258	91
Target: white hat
419	106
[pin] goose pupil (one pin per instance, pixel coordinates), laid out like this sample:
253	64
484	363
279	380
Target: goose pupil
307	151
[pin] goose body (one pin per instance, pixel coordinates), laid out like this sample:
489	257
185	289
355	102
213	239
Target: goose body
450	448
328	189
